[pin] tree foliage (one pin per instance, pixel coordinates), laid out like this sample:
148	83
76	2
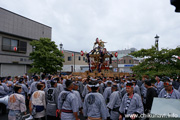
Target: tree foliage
46	56
163	62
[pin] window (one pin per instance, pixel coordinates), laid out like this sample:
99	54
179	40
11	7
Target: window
10	45
84	59
14	43
79	58
124	61
129	61
69	58
22	46
21	59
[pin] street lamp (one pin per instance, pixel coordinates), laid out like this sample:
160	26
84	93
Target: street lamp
156	42
61	46
157	48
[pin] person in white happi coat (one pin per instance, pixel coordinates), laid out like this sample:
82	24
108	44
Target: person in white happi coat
76	92
85	91
2	91
52	94
94	107
159	85
107	91
10	84
117	81
169	91
68	103
131	104
33	86
6	87
136	87
59	85
39	102
87	88
100	86
16	103
114	103
144	89
123	86
80	84
24	87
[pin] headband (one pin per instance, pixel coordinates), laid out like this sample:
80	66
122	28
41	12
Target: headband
97	85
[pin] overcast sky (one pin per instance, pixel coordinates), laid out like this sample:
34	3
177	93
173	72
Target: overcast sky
120	23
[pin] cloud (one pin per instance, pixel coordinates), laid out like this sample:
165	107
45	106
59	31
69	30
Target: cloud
121	23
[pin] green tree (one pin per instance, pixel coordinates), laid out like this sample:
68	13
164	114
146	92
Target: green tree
163	62
46	56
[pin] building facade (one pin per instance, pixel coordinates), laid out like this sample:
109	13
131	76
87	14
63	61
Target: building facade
124	62
16	33
74	62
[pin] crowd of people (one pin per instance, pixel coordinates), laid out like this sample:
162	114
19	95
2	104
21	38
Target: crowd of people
55	97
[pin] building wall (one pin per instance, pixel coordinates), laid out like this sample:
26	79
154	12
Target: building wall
76	56
12	69
20	29
125	64
78	68
68	65
15	24
125	60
